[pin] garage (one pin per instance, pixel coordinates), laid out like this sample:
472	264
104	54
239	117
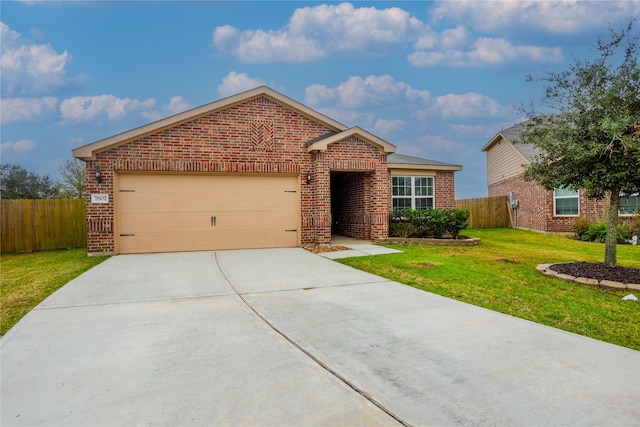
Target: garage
191	212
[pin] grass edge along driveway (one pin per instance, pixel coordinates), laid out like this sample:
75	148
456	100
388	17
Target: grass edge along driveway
499	274
28	278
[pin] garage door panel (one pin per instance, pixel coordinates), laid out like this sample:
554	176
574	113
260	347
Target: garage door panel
158	222
166	213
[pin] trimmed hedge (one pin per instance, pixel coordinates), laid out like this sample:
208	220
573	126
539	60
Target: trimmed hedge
437	223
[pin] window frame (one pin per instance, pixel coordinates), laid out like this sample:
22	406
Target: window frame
556	197
431	184
637	211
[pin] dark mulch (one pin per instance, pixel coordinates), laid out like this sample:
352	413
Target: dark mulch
598	271
323	249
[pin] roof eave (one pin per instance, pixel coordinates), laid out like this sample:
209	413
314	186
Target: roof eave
421	166
89	151
323	144
493	141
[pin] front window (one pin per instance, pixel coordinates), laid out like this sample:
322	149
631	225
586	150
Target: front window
412	192
629	205
566	202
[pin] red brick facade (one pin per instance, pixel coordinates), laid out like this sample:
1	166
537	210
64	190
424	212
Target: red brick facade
262	136
445	190
536	210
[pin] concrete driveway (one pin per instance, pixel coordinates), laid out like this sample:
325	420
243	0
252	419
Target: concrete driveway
284	337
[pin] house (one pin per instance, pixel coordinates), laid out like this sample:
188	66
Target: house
539	208
253	170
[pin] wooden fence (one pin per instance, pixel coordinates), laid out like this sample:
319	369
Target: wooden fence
37	225
488	212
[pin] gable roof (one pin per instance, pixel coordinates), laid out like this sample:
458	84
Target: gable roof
87	152
323	142
512	135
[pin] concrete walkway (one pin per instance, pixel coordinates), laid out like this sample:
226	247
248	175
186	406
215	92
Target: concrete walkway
285	337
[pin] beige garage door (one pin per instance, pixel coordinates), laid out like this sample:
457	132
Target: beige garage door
171	213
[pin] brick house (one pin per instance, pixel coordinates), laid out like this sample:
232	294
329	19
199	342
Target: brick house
253	170
539	208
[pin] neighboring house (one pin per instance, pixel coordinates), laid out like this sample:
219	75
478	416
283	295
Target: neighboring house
539	208
253	170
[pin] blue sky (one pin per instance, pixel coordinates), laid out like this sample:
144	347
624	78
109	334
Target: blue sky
437	79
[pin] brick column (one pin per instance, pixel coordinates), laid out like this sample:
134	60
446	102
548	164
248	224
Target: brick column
322	186
380	202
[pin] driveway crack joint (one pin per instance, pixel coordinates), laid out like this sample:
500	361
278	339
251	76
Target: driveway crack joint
348	383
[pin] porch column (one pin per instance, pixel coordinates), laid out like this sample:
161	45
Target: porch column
380	202
322	190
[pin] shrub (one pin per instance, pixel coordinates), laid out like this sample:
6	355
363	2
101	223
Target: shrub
581	226
597	232
436	223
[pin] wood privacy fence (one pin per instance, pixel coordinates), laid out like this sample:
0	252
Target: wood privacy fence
37	225
488	212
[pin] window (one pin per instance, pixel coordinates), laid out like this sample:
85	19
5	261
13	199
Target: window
412	192
566	202
629	205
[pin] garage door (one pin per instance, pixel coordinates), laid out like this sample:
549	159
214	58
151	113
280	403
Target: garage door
171	213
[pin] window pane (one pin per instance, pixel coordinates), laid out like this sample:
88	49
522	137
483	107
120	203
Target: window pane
401	203
567	206
630	205
424	203
565	192
401	185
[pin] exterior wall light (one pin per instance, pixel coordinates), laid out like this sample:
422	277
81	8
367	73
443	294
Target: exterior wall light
308	178
98	174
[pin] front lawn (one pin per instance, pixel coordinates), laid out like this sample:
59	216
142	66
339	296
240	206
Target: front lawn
499	274
28	278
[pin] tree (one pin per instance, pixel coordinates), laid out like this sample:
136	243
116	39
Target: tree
72	174
17	183
589	134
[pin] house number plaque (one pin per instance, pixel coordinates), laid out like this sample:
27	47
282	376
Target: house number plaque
100	198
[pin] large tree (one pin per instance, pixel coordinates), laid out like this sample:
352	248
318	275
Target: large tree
72	185
18	183
587	127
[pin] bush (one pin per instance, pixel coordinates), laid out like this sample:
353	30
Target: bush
436	223
581	226
597	232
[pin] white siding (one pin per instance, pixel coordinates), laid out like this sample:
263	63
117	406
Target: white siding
503	162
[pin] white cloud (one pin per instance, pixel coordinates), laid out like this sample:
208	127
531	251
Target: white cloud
234	83
29	68
21	147
384	127
313	33
26	109
349	117
176	105
91	107
485	52
358	92
437	144
557	17
467	105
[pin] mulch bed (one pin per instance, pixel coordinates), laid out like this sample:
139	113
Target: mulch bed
598	271
323	249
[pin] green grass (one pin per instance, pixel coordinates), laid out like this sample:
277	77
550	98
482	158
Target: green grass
499	274
28	278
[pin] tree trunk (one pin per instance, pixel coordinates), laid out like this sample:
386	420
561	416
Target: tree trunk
610	257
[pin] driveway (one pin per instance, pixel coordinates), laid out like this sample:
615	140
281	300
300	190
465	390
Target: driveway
285	337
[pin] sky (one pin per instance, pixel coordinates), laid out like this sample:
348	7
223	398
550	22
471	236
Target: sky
436	79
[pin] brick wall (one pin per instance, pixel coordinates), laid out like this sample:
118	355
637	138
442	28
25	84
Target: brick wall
536	210
365	200
350	204
257	136
445	190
